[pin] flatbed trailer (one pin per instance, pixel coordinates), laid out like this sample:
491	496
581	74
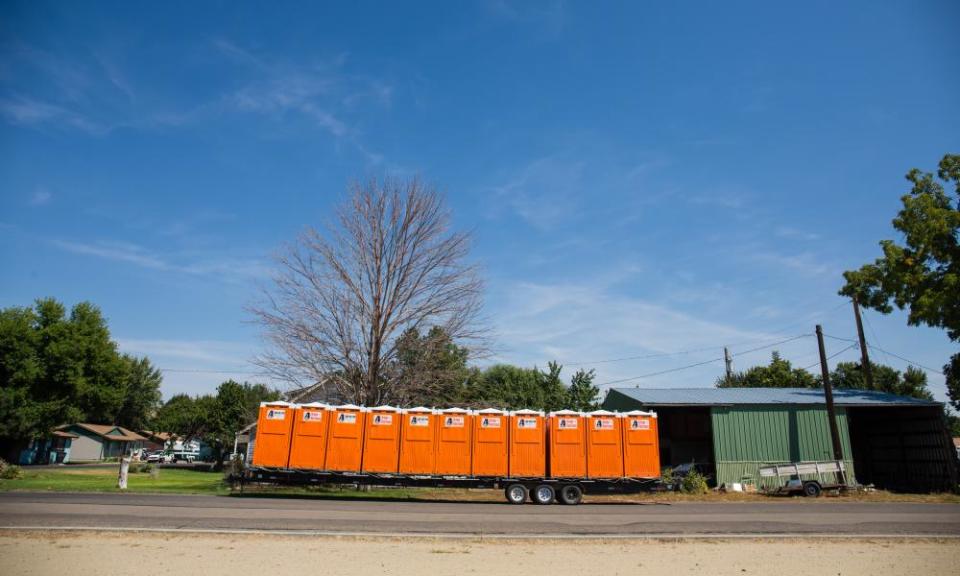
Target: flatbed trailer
537	490
795	472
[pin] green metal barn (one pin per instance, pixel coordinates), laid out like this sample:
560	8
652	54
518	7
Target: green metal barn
893	442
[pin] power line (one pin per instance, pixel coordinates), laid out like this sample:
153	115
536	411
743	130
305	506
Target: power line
680	352
887	352
705	362
832	356
841	339
645	356
872	333
907	360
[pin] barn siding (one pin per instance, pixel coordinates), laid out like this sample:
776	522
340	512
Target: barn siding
747	437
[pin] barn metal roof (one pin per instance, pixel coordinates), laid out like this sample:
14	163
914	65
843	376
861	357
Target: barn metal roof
761	396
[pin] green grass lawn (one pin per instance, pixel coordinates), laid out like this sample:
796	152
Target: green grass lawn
180	481
105	480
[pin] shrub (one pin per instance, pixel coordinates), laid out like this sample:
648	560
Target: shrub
10	471
694	483
141	468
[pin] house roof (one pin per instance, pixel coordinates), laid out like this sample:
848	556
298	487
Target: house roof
62	434
162	436
108	431
762	396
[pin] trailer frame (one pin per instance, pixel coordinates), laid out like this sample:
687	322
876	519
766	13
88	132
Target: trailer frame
539	490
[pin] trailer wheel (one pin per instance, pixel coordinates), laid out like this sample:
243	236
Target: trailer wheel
571	494
516	493
812	489
543	494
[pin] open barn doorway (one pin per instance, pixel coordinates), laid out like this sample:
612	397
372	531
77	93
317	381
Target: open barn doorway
686	437
900	448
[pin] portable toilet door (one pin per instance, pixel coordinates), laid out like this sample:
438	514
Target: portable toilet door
345	439
604	445
417	440
381	445
568	444
274	428
490	446
309	444
528	450
454	430
641	445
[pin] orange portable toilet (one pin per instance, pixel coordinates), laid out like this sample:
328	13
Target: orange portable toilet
604	445
345	438
528	439
381	445
309	444
641	445
454	430
271	448
568	444
417	440
490	446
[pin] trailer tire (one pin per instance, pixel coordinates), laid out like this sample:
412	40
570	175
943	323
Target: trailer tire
543	494
571	494
515	493
812	489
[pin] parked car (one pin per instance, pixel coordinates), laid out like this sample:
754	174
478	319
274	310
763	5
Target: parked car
160	457
184	456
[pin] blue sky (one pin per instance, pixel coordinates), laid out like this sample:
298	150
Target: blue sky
641	179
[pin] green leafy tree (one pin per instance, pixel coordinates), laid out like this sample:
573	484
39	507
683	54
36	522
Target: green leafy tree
513	388
921	274
582	395
214	418
57	368
141	394
778	374
431	369
911	383
180	415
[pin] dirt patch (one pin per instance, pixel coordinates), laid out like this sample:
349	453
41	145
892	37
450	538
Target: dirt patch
106	554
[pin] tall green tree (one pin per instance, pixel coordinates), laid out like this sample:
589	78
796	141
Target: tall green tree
141	393
779	373
912	382
430	369
57	368
214	418
582	394
921	274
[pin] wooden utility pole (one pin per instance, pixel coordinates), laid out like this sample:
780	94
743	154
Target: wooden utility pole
728	360
828	392
864	355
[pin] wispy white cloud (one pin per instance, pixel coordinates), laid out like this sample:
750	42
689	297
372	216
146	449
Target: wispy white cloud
805	263
321	91
544	191
29	112
220	354
593	320
223	268
790	232
549	16
41	197
197	366
118	251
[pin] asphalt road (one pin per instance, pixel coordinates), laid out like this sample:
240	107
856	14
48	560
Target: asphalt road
51	510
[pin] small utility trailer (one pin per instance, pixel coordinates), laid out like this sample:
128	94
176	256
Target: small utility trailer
537	490
796	471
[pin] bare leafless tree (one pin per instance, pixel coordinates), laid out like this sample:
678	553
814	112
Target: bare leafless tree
341	299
